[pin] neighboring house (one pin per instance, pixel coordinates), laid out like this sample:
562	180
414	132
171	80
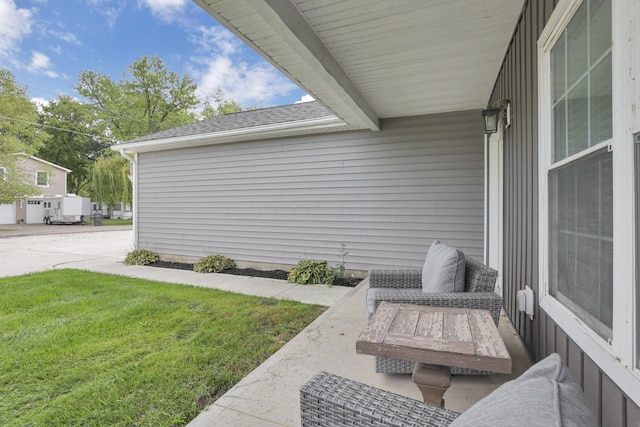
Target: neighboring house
397	157
50	178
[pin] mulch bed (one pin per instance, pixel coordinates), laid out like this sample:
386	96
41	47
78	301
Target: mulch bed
269	274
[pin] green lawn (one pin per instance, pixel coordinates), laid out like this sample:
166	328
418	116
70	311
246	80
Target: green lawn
80	348
109	221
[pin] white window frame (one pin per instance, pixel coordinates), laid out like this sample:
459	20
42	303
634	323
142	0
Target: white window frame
47	174
617	357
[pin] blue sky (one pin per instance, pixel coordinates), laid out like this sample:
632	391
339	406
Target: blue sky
47	43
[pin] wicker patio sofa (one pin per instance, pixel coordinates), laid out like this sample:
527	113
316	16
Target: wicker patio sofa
405	286
545	395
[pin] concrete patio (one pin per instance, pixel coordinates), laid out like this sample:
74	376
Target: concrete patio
269	395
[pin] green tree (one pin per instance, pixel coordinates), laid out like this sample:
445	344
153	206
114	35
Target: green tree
18	134
111	183
217	105
72	126
148	99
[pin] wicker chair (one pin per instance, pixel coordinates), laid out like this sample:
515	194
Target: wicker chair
405	286
331	400
545	395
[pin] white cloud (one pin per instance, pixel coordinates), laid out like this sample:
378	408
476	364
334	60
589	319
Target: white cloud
305	98
40	103
218	64
41	64
110	10
166	10
14	25
39	61
245	84
65	37
216	39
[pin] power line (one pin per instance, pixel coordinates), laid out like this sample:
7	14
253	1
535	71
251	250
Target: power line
57	128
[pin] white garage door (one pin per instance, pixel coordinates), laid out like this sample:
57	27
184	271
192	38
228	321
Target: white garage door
35	212
8	214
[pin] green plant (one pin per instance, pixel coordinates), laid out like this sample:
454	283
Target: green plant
141	257
312	272
213	264
342	268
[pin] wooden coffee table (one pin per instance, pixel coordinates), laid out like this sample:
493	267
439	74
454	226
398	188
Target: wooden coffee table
436	339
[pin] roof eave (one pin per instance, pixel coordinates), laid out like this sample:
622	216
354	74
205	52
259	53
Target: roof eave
284	19
38	159
275	130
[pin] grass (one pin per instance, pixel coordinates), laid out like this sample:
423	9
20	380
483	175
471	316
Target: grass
82	348
110	221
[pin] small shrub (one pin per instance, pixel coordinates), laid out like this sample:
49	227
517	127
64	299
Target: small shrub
213	264
141	257
342	268
312	272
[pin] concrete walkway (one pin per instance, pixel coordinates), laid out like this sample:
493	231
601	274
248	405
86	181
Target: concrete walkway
102	250
269	396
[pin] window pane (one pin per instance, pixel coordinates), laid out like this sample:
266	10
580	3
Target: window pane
560	130
581	239
578	119
558	61
577	51
601	102
600	28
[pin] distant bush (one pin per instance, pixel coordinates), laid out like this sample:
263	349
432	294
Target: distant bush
213	264
141	257
312	272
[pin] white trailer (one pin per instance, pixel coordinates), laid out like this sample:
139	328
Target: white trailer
69	209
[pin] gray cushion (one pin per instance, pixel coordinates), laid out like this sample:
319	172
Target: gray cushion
545	395
443	269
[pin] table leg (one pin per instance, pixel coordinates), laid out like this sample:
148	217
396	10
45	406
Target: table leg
433	381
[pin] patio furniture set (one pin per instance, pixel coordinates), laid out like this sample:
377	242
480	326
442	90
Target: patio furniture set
435	322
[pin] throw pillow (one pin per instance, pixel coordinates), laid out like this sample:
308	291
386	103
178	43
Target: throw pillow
443	269
545	395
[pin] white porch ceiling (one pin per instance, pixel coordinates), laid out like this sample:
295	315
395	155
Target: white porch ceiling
371	59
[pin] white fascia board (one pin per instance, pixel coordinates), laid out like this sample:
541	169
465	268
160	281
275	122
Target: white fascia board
233	135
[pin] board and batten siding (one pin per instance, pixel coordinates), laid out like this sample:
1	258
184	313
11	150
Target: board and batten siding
384	195
518	82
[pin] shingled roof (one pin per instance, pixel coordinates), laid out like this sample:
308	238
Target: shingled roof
244	119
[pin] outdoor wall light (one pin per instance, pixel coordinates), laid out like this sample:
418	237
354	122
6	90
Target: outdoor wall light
491	119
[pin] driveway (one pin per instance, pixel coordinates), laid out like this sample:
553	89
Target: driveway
30	248
13	230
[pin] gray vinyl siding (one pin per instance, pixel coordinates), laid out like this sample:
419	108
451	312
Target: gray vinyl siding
518	82
386	195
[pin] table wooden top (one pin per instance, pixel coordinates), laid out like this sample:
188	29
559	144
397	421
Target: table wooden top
456	337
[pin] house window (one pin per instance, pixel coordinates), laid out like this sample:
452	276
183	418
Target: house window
580	175
590	181
42	179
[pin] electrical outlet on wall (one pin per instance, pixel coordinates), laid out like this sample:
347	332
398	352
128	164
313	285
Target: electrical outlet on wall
526	301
